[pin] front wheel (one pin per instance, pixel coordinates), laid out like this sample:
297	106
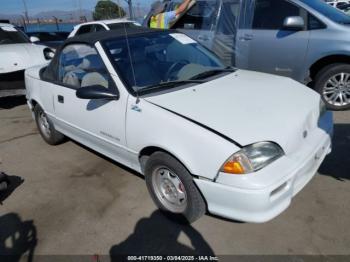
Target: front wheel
333	84
172	188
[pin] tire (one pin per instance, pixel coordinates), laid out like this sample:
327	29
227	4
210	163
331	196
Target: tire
334	90
46	127
188	210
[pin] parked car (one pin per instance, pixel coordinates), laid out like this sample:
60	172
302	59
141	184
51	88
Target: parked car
17	53
205	136
50	39
337	3
345	8
104	25
306	40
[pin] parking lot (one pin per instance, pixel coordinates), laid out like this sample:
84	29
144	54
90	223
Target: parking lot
74	201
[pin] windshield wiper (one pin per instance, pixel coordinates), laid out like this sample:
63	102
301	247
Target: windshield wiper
212	72
170	84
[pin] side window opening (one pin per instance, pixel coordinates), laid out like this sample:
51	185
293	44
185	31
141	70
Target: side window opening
270	14
85	29
228	20
314	23
224	42
201	16
99	28
81	66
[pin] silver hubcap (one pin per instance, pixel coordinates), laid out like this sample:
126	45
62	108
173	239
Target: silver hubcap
337	90
44	124
169	190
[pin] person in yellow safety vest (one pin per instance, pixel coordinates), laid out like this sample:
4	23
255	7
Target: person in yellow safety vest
161	19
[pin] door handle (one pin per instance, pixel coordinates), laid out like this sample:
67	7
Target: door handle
246	37
60	99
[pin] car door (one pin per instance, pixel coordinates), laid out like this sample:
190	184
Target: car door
272	48
97	123
224	42
199	22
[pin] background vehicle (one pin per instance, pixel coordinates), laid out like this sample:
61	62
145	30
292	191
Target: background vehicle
17	53
345	8
337	3
50	39
165	106
103	25
306	40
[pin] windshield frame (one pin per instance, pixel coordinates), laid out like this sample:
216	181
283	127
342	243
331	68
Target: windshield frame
144	92
327	11
15	31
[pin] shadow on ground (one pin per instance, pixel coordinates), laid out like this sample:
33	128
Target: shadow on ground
12	183
17	238
158	235
337	164
12	101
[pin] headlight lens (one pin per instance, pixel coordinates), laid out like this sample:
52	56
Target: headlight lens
323	108
252	158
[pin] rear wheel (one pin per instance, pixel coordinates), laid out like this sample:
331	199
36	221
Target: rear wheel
172	188
333	83
46	127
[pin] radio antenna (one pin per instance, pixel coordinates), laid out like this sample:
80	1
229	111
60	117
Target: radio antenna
132	65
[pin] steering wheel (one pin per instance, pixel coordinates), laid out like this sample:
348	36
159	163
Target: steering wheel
174	68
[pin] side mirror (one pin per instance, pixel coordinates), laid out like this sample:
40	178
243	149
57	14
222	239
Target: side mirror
49	53
34	39
294	23
96	92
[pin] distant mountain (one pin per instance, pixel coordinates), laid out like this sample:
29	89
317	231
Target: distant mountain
139	12
64	15
9	16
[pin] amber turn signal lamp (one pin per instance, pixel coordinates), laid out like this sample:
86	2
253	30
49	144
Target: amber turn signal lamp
233	167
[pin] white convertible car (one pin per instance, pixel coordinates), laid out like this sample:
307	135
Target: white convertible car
206	137
17	53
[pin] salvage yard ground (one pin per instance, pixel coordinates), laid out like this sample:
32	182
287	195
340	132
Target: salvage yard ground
76	202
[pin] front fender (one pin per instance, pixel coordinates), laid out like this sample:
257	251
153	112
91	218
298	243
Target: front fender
201	151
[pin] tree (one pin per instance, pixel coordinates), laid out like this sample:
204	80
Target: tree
106	9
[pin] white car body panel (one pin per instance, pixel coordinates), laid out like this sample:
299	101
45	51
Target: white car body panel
238	110
104	23
202	126
17	57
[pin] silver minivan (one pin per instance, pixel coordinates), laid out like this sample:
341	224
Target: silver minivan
307	40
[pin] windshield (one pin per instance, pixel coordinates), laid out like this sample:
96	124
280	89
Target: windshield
160	57
10	35
330	12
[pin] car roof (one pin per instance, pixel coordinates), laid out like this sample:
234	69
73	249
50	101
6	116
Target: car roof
108	22
92	38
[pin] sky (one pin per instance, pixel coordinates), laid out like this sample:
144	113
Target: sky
36	6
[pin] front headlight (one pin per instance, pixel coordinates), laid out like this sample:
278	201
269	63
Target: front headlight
252	158
323	108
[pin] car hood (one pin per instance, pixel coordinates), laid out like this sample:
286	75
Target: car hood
16	57
248	107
